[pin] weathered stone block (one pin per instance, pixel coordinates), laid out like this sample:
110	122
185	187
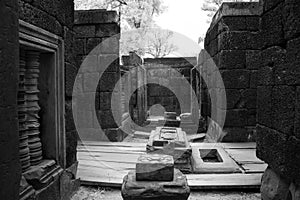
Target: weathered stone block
253	59
274	187
70	73
272	27
283	109
106	119
272	148
292	19
69	42
71	149
232	23
108	81
110	62
155	167
105	100
90	81
39	18
264	105
297	114
251	119
271	4
248	99
293	160
80	46
236	118
232	59
236	78
95	17
232	97
177	189
85	31
239	40
92	43
235	135
107	30
70	126
265	76
254	79
290	72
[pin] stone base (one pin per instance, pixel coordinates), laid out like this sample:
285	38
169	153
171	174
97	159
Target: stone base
155	190
155	168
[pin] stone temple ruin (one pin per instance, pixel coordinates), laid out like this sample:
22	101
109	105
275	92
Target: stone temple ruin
255	50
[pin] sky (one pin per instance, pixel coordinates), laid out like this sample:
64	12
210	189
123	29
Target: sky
188	22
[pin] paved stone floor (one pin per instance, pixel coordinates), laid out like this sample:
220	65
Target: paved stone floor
88	193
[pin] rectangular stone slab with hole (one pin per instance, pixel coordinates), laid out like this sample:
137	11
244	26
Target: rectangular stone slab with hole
173	142
211	158
163	136
177	189
155	167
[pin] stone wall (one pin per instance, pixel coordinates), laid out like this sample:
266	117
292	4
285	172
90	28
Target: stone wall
57	17
232	42
9	60
160	71
97	46
278	138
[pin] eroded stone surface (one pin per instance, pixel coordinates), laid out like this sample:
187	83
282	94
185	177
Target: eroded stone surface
273	186
155	190
155	168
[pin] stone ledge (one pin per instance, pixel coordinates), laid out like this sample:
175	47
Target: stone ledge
234	9
96	16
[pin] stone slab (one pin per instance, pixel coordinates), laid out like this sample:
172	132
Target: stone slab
177	189
155	167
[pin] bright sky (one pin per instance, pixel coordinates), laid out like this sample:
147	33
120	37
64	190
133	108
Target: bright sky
186	18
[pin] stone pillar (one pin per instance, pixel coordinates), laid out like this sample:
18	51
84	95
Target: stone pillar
278	138
9	71
232	42
97	45
32	106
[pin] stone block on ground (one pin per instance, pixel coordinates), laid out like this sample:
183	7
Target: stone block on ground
173	142
177	189
155	168
273	186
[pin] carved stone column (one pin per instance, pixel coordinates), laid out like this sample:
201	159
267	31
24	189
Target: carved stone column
32	106
23	135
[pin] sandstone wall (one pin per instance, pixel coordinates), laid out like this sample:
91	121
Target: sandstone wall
9	60
161	71
278	138
232	42
93	28
57	17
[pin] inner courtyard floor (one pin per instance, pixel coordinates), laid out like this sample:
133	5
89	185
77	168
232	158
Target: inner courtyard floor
94	193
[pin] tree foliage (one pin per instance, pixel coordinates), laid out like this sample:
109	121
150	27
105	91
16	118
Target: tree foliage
211	7
137	23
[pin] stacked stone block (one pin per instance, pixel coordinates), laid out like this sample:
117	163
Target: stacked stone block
155	179
97	45
278	141
233	46
160	71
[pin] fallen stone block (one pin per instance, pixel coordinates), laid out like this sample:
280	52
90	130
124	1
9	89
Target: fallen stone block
155	168
177	189
273	186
